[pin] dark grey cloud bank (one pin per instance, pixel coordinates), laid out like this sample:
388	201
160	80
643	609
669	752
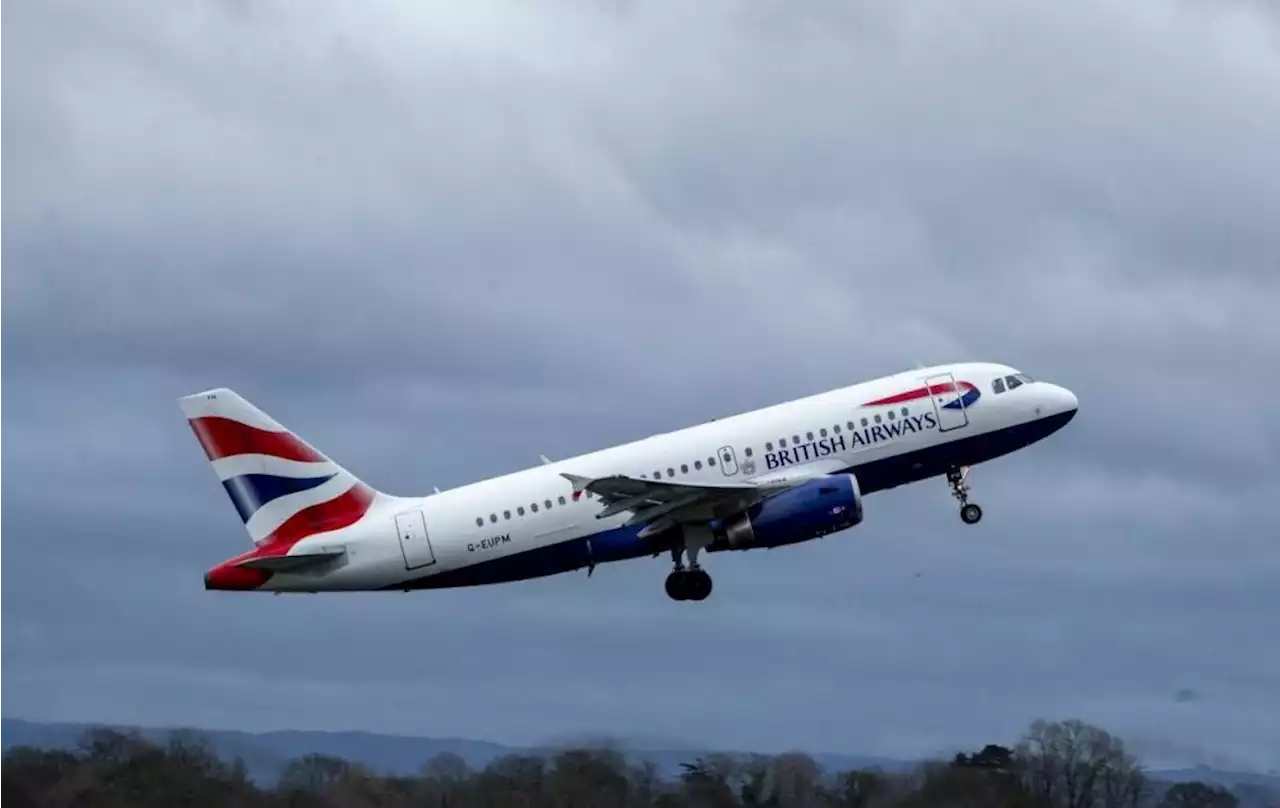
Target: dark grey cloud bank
437	242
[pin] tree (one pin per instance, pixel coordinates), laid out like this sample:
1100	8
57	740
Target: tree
860	789
312	774
1055	765
1071	764
706	785
1198	795
584	778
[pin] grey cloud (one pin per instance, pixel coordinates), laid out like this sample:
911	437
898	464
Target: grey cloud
437	243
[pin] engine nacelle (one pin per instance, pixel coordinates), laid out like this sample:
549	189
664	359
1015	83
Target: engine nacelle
805	512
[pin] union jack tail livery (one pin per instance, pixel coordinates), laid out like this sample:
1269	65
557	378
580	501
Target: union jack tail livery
282	487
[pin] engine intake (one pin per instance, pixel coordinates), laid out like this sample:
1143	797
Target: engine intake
805	512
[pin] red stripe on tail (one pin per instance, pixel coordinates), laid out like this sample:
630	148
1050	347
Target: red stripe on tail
337	513
222	437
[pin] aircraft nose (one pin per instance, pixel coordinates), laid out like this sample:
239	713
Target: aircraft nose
1063	400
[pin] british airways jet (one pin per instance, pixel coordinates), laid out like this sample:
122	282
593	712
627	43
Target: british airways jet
777	476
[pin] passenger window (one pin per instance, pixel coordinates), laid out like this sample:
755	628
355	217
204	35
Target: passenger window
998	385
561	501
864	421
684	468
892	415
851	426
671	472
905	412
711	461
506	514
520	511
547	504
877	418
1012	381
795	439
493	518
768	446
822	433
782	443
808	436
479	521
697	464
836	429
657	475
747	451
533	507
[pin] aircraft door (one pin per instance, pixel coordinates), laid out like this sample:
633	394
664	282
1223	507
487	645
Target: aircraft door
414	544
948	402
728	461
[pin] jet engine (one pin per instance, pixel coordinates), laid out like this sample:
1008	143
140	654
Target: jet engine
805	512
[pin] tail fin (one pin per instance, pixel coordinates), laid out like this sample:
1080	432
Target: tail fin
283	489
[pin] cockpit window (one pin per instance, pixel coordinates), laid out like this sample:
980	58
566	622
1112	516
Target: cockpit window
998	385
1012	381
1024	378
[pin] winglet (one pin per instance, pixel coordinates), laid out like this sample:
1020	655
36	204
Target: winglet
580	483
544	460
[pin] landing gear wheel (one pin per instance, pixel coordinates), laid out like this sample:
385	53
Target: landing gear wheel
692	584
697	585
676	589
957	478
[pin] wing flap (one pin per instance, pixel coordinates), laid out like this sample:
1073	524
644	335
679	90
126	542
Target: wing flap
660	504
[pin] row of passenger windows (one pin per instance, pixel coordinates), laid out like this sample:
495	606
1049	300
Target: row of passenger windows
533	508
891	415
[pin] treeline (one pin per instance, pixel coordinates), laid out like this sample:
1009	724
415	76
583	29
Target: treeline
1055	765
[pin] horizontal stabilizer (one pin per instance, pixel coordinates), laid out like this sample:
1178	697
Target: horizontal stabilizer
291	563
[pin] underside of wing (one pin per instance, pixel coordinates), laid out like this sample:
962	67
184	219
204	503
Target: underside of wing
291	563
661	505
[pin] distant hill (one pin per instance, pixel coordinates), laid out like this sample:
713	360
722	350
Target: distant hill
265	753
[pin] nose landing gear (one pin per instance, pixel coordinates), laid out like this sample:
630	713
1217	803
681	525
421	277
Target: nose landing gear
957	478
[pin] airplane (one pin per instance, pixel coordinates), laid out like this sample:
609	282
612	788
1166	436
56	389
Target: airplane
772	477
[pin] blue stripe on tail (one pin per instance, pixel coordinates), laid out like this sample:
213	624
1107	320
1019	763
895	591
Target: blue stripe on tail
249	492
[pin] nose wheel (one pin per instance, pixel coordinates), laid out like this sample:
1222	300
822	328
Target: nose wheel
957	478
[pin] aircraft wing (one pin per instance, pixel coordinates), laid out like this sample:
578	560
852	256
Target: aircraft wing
660	505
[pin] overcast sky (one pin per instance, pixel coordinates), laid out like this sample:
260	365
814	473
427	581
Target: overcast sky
437	240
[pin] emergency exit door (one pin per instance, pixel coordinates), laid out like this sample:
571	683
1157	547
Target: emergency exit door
948	402
414	544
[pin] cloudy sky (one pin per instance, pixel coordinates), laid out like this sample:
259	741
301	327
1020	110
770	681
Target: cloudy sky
439	240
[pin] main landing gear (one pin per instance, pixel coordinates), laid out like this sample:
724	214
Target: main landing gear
687	584
957	478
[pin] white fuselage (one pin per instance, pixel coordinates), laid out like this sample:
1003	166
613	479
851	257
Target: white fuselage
510	527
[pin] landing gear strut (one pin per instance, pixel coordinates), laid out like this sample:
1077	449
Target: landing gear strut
957	478
687	584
